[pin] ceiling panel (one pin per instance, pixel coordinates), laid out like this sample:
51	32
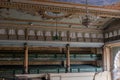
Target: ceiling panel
92	2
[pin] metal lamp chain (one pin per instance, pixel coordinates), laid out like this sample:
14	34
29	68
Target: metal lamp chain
56	24
86	7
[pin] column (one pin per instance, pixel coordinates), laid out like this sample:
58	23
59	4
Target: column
26	59
26	34
108	51
107	61
107	58
68	58
7	30
104	59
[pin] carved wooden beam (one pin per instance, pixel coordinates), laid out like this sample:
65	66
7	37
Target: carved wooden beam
15	62
11	48
69	8
112	29
113	44
37	49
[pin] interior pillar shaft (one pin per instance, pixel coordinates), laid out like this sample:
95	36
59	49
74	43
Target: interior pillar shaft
68	58
26	60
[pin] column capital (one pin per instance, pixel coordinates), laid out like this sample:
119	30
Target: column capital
25	44
67	46
106	46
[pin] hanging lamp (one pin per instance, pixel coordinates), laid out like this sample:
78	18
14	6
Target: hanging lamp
56	36
88	18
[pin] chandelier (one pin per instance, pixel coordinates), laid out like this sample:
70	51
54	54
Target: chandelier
56	36
88	18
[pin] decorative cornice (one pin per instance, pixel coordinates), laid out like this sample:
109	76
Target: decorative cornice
26	20
60	8
20	43
41	21
113	43
113	6
37	48
90	30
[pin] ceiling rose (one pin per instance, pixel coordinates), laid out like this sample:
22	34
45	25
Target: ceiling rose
53	14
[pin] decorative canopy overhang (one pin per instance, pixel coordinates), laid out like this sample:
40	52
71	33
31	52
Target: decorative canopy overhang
60	7
42	12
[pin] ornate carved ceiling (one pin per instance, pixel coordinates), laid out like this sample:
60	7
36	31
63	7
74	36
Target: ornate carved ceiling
40	12
113	6
92	2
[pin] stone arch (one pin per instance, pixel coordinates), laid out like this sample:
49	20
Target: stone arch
11	32
87	35
116	69
93	35
48	33
115	33
72	35
100	36
21	32
2	31
106	35
119	32
31	32
39	33
54	33
110	34
80	34
63	34
117	61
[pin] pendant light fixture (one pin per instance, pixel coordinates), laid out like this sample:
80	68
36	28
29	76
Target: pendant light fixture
86	19
56	36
